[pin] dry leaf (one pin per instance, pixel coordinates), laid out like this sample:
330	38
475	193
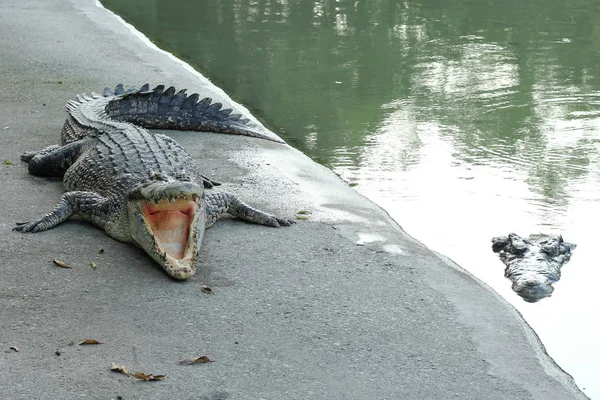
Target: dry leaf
15	348
93	264
7	162
89	341
199	360
118	368
148	377
207	290
61	264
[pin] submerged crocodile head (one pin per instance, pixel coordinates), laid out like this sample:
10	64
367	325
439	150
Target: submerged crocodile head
167	218
532	264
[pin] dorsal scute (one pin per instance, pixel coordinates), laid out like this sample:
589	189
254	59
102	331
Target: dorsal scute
119	90
162	108
108	92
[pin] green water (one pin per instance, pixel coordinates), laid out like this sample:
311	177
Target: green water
464	119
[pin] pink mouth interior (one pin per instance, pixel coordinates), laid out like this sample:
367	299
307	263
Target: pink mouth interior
170	223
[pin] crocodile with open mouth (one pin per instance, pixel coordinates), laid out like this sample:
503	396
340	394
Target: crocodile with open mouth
142	187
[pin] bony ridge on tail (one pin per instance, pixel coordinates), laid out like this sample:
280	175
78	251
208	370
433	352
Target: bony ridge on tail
141	187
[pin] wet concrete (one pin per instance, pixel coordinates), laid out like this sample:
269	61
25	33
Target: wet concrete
342	306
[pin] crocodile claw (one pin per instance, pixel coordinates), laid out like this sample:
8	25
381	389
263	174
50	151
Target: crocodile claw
28	226
20	226
284	221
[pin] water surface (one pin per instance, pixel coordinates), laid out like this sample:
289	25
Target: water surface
463	119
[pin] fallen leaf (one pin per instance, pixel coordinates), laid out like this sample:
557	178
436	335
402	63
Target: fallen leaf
101	250
149	377
199	360
61	264
118	368
303	217
89	341
303	212
15	348
353	184
207	290
7	162
93	264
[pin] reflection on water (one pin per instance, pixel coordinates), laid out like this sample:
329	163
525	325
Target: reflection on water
464	119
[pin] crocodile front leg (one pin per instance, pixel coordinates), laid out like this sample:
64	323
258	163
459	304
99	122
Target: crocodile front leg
53	161
88	205
218	204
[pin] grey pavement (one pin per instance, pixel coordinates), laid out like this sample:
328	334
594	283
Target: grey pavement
342	306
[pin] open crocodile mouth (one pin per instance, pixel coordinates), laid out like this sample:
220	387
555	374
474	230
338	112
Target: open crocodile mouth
170	221
172	232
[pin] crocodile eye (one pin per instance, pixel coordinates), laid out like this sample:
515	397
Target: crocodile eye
182	176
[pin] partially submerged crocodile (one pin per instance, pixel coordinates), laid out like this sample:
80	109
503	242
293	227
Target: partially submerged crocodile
532	264
141	187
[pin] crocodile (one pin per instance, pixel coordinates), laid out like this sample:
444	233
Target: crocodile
532	264
142	187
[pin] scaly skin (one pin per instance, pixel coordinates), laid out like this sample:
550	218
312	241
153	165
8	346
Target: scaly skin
140	187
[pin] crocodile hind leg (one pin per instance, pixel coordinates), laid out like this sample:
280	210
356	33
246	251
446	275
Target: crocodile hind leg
218	204
88	205
53	161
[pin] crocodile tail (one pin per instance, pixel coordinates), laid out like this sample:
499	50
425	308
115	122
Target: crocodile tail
162	108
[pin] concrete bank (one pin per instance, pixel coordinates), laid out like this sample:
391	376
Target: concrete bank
342	306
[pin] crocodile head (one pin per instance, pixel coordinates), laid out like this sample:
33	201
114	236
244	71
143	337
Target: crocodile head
166	218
